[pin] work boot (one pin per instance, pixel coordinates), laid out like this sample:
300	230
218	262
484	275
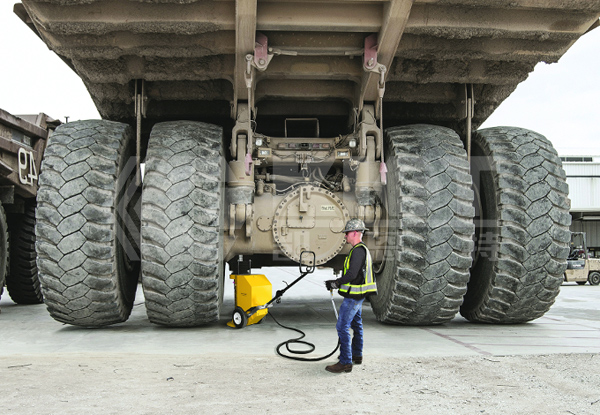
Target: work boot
356	360
339	368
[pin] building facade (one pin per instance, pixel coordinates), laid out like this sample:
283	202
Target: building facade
583	178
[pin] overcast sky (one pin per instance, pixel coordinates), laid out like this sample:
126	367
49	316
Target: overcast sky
561	101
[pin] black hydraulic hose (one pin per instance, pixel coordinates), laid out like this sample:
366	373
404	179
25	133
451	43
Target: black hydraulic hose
298	340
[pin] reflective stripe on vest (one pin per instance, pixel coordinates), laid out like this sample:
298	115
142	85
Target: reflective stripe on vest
369	285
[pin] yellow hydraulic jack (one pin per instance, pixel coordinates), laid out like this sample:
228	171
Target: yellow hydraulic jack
251	292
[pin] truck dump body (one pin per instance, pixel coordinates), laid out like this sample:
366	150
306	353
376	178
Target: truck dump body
22	143
192	54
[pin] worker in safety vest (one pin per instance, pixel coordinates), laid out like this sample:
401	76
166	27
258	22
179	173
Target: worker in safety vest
355	285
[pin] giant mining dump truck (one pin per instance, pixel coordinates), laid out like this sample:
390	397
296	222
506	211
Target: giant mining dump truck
263	126
22	142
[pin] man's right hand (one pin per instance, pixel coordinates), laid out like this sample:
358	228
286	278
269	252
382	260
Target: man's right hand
331	285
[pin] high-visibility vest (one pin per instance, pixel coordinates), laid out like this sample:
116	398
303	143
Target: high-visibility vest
368	286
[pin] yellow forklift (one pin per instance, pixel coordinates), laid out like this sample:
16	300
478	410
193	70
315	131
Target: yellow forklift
580	267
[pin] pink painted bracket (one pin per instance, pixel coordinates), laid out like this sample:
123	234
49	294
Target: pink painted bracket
370	55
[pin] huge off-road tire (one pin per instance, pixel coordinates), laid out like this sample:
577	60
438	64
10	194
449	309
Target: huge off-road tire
522	223
430	222
22	281
182	222
86	227
4	249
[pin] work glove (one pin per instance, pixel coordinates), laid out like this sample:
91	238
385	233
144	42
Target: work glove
331	285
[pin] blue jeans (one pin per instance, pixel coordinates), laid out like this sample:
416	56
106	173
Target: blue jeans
350	317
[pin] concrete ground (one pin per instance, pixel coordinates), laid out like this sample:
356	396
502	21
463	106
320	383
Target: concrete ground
571	326
459	367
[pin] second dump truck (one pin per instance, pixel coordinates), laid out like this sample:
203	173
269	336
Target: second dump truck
265	125
22	143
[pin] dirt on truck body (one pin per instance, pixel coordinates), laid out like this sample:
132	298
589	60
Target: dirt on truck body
265	125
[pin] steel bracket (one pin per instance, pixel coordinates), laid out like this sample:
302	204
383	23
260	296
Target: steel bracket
370	53
262	57
466	112
141	104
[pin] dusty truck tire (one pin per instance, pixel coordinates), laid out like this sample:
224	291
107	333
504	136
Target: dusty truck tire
85	233
182	222
522	227
4	249
22	282
430	221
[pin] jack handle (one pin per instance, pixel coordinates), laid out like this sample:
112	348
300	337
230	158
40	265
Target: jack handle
310	265
309	269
